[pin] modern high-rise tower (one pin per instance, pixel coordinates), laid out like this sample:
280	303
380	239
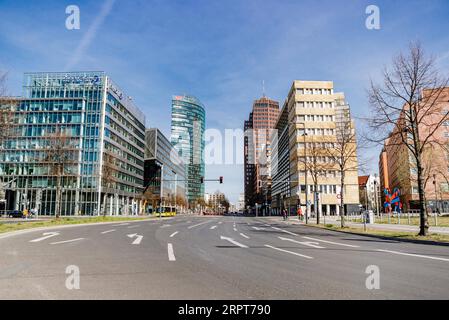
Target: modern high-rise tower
187	136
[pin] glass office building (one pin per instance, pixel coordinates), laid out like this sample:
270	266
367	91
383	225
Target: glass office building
162	160
78	140
187	136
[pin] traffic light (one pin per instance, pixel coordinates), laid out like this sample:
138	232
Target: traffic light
221	180
202	180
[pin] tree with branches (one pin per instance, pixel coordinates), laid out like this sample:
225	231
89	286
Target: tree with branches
343	152
60	155
316	164
408	105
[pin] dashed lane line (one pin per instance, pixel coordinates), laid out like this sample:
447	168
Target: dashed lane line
331	242
108	231
414	255
67	241
173	234
244	235
171	253
290	252
199	224
291	233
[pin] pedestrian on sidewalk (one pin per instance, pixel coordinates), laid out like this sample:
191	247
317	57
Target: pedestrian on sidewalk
300	215
284	214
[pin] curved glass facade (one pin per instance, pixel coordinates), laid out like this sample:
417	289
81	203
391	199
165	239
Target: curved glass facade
187	136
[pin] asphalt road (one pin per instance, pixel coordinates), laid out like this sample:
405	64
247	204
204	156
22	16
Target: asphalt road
216	258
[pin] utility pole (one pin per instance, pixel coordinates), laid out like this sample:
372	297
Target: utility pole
162	190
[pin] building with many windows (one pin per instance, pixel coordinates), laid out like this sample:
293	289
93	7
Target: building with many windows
307	130
258	130
76	147
397	165
164	170
187	136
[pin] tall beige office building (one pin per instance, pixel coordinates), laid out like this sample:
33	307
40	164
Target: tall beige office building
315	114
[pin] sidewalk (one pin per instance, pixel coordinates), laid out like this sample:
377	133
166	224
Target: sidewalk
376	226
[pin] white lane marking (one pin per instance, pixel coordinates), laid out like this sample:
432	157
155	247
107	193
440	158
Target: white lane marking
233	242
171	254
173	234
244	236
266	225
213	227
138	238
131	227
305	243
414	255
235	229
199	224
67	241
121	224
165	225
291	252
293	234
220	222
46	235
258	229
331	242
107	231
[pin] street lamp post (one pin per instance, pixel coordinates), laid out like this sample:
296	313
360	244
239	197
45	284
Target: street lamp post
162	190
436	199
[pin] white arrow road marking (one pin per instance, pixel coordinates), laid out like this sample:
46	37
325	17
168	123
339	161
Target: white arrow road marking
46	236
331	242
199	224
171	254
213	227
306	243
107	231
138	238
67	241
414	255
291	252
293	234
244	236
173	234
233	242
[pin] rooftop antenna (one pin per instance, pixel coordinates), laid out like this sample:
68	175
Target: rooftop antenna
263	88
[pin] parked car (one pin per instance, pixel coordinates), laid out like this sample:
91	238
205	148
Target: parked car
15	214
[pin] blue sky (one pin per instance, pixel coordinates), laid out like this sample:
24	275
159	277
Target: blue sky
219	51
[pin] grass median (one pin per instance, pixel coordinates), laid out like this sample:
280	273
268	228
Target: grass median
390	234
8	227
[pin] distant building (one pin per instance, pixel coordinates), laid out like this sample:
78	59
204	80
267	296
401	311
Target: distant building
258	130
369	192
398	168
99	129
188	125
162	160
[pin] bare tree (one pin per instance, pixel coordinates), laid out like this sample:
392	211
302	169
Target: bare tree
343	152
408	103
316	164
108	174
60	155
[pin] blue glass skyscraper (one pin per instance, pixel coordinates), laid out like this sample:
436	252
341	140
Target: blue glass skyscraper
187	135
